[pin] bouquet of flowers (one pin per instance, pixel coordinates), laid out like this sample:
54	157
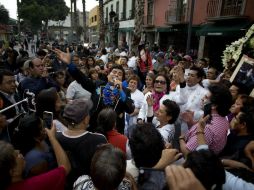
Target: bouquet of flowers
235	50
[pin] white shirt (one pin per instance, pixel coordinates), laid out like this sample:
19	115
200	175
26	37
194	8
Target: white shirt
132	63
76	91
236	183
206	83
137	98
143	112
104	58
167	132
194	96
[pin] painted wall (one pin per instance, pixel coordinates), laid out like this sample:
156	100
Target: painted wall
249	9
159	11
200	11
92	13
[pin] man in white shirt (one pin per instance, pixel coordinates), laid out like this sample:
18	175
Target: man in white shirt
76	91
104	56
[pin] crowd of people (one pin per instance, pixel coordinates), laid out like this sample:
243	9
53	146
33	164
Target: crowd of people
122	120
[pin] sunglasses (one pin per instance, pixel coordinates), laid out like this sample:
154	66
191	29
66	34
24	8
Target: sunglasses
160	81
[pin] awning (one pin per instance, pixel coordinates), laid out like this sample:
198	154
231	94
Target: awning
129	29
224	29
163	29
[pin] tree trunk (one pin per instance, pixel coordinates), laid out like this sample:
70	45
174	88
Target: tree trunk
75	18
101	25
84	20
139	22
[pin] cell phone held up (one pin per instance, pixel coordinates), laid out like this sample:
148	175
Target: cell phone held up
47	119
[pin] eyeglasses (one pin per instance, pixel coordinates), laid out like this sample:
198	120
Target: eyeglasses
160	81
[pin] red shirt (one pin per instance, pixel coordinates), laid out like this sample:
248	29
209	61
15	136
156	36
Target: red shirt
117	139
146	66
54	179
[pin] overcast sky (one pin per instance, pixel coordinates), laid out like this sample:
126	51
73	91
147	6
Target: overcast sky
11	6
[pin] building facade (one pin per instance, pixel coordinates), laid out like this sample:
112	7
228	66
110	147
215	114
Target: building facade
119	22
94	19
221	23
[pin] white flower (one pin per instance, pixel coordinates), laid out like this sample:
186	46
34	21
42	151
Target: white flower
235	49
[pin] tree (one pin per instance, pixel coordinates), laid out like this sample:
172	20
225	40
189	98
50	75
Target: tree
139	22
4	15
36	11
101	25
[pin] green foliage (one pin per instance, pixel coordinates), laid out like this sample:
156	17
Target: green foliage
36	11
4	15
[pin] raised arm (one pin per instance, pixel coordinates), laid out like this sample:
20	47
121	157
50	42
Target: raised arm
76	74
61	157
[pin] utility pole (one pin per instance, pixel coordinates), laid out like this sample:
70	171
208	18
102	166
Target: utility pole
190	27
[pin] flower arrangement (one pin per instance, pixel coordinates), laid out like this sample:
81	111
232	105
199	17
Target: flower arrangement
234	50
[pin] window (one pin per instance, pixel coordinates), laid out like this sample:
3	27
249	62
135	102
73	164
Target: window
95	18
150	5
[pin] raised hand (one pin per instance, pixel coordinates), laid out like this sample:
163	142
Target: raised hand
64	57
150	100
202	123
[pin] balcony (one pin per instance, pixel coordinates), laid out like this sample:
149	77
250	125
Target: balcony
224	8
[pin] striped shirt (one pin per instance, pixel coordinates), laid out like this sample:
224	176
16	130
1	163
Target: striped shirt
215	134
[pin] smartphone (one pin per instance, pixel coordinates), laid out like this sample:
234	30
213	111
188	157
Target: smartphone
208	111
47	119
151	179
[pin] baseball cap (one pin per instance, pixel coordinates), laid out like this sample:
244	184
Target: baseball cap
77	110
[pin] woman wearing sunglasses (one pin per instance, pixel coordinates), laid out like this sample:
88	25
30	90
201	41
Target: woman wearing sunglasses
151	101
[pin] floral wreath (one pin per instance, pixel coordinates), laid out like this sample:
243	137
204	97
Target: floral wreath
234	50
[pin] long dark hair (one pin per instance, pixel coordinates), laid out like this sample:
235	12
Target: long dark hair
29	128
45	101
